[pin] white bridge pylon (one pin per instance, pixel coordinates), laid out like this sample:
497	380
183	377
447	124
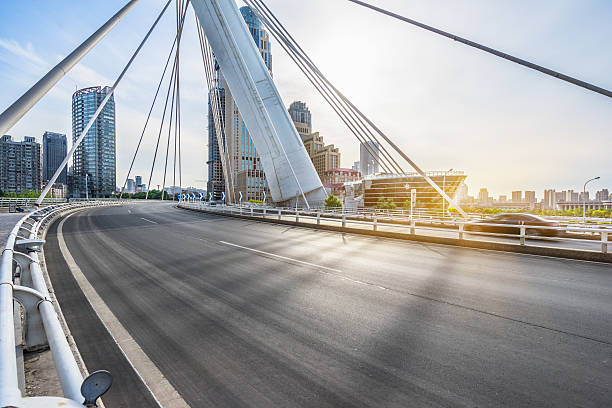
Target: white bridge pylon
289	171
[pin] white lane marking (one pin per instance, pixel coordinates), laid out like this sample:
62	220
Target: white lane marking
147	371
282	257
152	222
129	211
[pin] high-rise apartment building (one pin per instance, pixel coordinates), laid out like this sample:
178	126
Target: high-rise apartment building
55	148
602	195
530	196
94	161
131	186
20	166
369	158
550	200
245	169
483	196
302	118
517	196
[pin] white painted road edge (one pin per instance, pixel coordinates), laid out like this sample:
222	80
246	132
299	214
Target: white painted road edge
161	389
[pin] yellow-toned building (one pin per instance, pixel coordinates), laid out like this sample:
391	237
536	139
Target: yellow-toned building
324	157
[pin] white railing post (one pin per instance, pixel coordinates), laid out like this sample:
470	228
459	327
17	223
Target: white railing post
374	222
264	213
343	220
279	213
604	242
461	226
251	211
318	218
412	227
297	215
522	236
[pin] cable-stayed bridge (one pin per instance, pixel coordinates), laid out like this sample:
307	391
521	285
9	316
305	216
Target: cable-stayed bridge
199	309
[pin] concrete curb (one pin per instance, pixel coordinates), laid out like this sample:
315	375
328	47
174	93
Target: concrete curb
591	256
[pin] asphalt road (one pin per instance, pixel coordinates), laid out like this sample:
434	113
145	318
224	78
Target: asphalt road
245	314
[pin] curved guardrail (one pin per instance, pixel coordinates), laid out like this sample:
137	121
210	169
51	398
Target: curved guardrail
455	228
42	325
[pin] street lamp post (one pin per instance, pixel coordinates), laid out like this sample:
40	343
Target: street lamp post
584	198
86	188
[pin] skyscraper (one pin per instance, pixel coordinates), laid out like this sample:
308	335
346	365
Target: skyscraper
94	161
302	119
20	168
369	158
245	169
550	200
530	196
517	196
55	148
216	180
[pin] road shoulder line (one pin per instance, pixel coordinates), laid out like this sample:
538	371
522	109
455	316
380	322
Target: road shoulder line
162	391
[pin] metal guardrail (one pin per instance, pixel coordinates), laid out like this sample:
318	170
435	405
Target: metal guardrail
42	325
412	225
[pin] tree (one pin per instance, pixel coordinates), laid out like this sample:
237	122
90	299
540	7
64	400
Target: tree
406	205
385	204
333	202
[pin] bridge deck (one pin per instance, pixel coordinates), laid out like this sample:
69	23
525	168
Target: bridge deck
239	313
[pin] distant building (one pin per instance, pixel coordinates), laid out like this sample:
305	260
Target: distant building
483	196
216	179
530	196
550	200
324	157
602	195
356	166
95	157
140	188
55	149
131	186
334	179
517	196
369	158
20	165
397	188
302	119
503	198
583	196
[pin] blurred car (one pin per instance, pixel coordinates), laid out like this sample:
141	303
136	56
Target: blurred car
511	224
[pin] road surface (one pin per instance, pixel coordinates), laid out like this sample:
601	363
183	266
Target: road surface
239	313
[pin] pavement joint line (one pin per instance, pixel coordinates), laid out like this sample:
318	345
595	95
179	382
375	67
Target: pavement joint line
283	257
152	222
151	376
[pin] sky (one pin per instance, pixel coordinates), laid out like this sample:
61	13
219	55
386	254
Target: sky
445	104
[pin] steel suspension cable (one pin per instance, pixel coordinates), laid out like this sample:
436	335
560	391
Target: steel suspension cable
489	50
393	145
151	110
340	107
100	107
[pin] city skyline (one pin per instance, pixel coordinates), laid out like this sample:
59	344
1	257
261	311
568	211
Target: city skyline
474	120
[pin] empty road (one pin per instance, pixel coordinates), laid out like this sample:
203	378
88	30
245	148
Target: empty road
239	313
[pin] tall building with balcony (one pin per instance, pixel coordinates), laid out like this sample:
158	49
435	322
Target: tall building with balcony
530	196
517	196
216	179
245	168
302	118
369	158
94	160
20	165
55	148
550	200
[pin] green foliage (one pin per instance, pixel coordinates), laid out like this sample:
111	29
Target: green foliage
332	202
23	194
406	205
255	201
385	204
577	212
153	195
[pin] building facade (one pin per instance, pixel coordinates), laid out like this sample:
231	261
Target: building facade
20	165
334	179
302	118
245	168
369	158
324	157
94	160
216	179
55	148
